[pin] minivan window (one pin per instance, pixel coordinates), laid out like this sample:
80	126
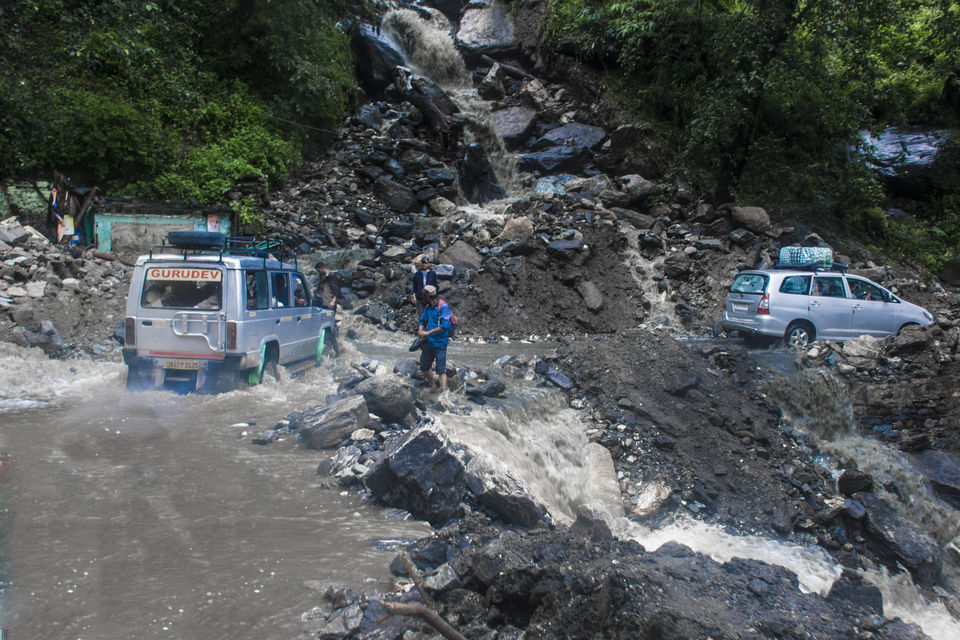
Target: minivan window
301	294
795	284
863	290
258	295
749	283
281	291
829	286
182	288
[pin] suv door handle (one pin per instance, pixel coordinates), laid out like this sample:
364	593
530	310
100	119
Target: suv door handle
857	307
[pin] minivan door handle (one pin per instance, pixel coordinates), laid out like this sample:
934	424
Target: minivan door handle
857	307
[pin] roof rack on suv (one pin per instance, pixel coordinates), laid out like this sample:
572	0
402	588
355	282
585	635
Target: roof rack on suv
213	243
812	266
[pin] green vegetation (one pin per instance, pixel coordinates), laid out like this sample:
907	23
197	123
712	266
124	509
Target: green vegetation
764	100
168	99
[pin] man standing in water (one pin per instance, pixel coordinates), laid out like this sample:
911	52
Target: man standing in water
328	292
435	326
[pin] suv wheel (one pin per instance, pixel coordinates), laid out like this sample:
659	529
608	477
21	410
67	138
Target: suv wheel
799	334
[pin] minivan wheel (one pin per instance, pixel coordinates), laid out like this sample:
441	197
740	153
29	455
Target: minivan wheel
799	334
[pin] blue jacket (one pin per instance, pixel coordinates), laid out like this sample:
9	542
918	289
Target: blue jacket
438	316
422	279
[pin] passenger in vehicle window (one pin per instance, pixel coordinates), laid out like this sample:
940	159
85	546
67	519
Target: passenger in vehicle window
863	290
828	287
281	294
301	297
257	294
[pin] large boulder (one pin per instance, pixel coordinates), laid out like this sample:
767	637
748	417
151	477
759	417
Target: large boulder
755	219
462	256
389	397
486	30
326	426
573	134
951	271
397	196
555	160
498	489
422	473
941	470
899	541
633	150
514	124
375	60
478	181
516	230
906	159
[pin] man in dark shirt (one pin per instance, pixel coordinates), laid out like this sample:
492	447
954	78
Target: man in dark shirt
424	276
328	292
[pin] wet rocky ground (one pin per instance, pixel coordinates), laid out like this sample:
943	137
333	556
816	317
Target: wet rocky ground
620	275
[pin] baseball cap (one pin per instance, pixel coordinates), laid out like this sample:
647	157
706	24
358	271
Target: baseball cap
430	291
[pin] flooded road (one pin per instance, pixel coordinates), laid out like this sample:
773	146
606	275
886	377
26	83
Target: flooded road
152	516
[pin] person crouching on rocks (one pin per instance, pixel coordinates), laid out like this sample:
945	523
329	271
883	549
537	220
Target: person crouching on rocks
434	326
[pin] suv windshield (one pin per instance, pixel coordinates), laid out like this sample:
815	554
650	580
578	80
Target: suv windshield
749	283
182	288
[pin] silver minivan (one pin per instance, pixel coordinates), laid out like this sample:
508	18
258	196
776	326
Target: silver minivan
208	313
803	304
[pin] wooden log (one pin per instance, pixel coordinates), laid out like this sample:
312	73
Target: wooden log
109	256
414	574
417	610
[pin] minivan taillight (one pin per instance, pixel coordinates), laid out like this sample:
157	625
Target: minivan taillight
231	335
764	306
130	332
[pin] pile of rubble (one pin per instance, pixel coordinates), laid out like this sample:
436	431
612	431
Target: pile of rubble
66	301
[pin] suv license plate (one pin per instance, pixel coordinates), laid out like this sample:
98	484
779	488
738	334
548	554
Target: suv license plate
740	306
181	364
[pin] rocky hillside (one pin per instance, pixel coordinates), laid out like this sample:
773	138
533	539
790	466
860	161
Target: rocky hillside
622	273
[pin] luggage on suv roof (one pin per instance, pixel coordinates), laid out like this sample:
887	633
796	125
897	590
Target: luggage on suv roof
197	239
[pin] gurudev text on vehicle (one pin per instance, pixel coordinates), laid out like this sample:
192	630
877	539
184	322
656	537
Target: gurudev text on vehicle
809	297
209	313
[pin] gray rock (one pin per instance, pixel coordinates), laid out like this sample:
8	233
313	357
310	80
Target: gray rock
554	160
951	271
941	470
406	367
591	295
389	397
422	473
499	490
676	265
326	426
514	124
462	256
900	541
398	197
637	187
369	116
753	219
639	220
486	30
574	135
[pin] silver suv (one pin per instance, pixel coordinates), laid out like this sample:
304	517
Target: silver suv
803	304
208	313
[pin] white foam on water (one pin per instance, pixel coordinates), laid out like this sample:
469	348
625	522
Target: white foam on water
902	599
28	378
816	571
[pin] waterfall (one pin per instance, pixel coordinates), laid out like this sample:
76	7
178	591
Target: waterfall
428	49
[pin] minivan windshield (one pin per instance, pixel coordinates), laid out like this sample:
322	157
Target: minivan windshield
182	288
749	283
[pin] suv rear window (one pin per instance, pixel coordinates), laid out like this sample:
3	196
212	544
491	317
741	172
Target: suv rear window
182	288
749	283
